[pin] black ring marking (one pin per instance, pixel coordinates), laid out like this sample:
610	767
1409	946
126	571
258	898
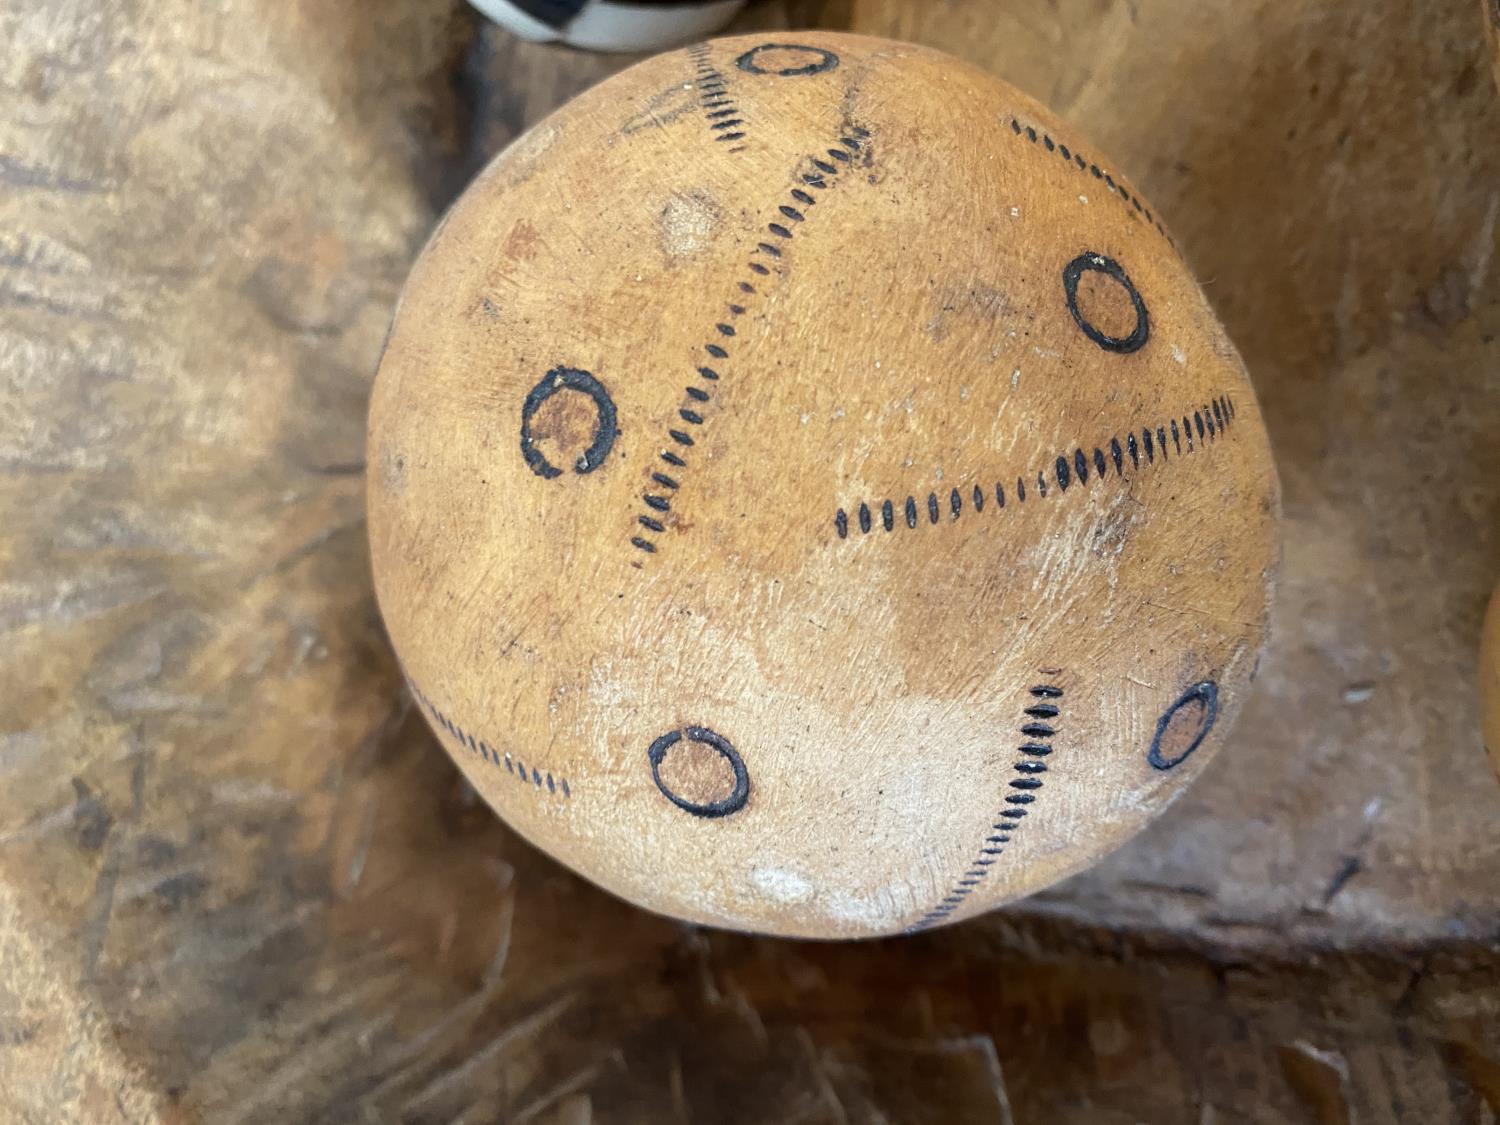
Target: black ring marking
1098	263
825	60
571	379
1206	695
724	807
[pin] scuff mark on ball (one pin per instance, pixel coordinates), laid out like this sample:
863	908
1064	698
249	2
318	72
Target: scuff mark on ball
688	223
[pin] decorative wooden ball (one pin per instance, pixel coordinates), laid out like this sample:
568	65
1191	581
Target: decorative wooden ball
1489	679
810	494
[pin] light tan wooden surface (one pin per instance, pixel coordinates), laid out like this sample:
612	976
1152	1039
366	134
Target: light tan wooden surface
240	879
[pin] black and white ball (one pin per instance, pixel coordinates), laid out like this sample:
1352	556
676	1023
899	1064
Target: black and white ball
611	25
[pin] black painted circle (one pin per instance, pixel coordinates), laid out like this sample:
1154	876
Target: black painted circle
1098	263
730	804
1206	696
821	60
569	379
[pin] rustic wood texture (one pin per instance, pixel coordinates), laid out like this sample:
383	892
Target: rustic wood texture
1489	678
239	881
1491	10
838	511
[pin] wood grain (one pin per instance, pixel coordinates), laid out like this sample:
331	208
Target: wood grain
241	880
1489	678
1491	15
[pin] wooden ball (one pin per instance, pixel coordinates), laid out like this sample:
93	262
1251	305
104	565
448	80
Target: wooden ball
1489	680
810	494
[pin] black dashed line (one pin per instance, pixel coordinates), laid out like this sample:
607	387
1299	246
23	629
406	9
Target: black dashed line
483	749
724	123
1084	165
1009	818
